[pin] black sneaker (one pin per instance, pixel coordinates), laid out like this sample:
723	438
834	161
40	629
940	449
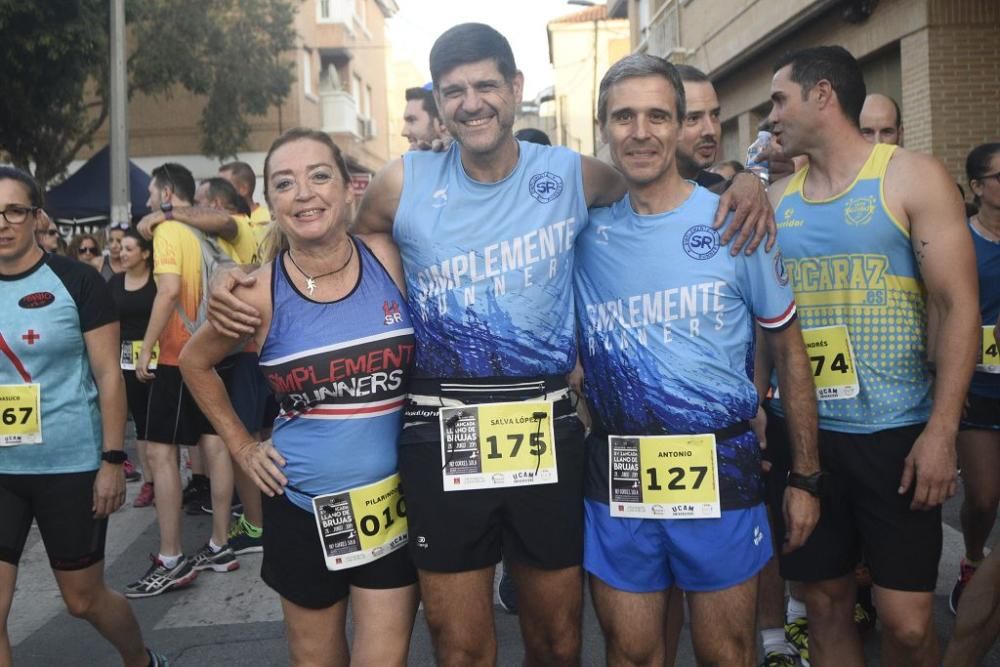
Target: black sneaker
196	495
506	592
241	539
223	560
160	579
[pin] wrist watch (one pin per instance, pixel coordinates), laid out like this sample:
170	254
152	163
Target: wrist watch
814	484
168	211
115	456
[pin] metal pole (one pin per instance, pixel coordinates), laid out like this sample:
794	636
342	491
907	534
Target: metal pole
120	201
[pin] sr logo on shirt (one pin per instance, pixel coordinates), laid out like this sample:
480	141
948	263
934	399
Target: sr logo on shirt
545	186
701	242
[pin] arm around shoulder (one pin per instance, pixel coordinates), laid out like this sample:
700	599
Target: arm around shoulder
602	184
385	250
377	210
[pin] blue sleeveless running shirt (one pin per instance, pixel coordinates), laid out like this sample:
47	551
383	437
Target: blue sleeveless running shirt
44	314
339	371
988	268
666	318
489	265
851	264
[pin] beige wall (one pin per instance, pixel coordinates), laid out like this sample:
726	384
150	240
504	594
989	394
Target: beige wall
402	74
946	74
167	126
575	68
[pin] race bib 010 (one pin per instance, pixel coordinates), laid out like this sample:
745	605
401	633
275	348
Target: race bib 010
663	477
361	525
497	445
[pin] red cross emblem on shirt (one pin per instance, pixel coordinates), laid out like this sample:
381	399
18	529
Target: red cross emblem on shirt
31	336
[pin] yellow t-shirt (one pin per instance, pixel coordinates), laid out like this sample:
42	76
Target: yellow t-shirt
260	222
243	249
177	251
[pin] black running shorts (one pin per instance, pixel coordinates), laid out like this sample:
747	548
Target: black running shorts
861	511
173	417
62	505
137	395
457	531
982	413
295	568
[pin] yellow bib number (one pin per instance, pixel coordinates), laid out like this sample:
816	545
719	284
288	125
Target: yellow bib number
832	359
361	525
989	356
496	445
20	414
131	349
663	477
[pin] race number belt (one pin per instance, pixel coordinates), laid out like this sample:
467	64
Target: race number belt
131	349
663	477
989	356
361	525
494	445
832	359
20	414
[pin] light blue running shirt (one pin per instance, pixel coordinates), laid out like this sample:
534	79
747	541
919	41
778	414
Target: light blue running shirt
666	318
489	265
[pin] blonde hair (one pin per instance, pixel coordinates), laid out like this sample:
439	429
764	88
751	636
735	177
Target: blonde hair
276	241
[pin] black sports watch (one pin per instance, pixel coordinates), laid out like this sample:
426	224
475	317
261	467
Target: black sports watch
168	210
115	456
814	484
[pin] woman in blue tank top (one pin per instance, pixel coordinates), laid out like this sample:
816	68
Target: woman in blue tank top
979	432
336	346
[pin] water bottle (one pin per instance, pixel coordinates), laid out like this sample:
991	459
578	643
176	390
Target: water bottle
753	166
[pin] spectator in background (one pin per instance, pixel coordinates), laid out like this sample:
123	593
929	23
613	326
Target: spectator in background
728	169
242	177
46	233
87	248
422	124
533	135
881	120
979	437
134	291
701	129
112	251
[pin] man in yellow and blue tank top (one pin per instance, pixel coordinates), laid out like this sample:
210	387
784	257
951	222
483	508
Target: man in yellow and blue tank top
875	246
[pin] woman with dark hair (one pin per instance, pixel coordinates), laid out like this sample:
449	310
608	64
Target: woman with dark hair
979	434
133	291
336	344
112	262
60	463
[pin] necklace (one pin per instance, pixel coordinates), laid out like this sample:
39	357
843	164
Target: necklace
311	280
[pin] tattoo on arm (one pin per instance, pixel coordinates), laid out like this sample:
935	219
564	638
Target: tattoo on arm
920	252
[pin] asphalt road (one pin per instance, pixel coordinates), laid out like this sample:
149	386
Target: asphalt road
234	619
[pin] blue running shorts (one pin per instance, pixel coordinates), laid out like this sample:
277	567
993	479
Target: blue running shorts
649	555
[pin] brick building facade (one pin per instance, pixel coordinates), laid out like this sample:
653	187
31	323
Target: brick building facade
940	59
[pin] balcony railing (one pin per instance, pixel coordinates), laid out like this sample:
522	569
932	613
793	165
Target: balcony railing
662	36
340	113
